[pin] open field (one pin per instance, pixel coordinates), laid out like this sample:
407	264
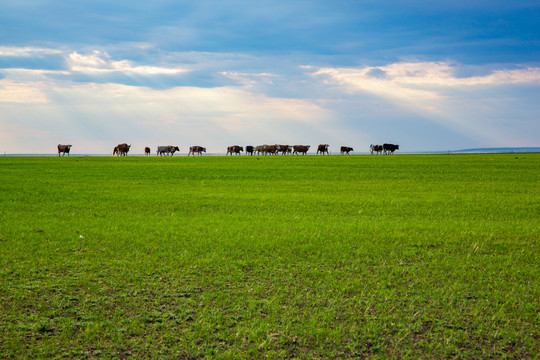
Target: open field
409	256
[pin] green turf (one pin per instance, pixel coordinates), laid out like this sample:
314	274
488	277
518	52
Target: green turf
404	256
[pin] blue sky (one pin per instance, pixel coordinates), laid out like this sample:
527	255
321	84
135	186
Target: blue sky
437	75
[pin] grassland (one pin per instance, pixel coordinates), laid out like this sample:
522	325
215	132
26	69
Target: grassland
406	256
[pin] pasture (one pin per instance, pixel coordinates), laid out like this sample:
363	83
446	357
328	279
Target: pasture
406	256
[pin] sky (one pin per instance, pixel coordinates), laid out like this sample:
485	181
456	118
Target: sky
427	75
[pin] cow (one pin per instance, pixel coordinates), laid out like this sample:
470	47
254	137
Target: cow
196	149
284	149
64	149
259	149
346	150
271	149
250	149
323	148
121	149
301	149
234	149
173	149
376	148
167	149
147	151
162	149
390	148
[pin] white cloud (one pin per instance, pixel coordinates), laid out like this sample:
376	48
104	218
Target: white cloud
433	91
16	92
27	51
403	75
100	62
249	79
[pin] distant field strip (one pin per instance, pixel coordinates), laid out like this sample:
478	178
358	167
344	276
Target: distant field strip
409	256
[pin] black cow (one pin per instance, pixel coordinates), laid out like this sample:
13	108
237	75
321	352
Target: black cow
346	150
249	150
390	148
64	149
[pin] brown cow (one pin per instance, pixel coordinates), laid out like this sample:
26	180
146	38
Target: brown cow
284	149
301	149
271	149
196	149
323	148
346	150
376	148
234	149
121	149
64	149
147	151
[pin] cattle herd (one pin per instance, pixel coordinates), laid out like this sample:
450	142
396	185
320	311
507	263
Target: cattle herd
169	150
385	148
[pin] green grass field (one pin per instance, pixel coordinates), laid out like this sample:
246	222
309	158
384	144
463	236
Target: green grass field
405	256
